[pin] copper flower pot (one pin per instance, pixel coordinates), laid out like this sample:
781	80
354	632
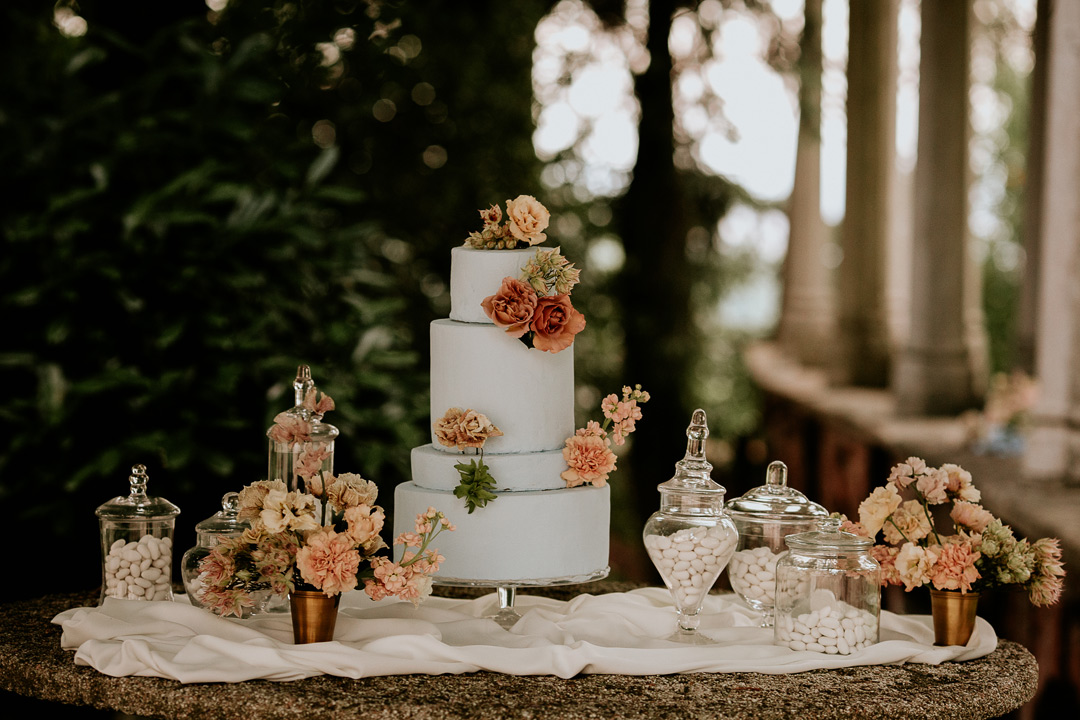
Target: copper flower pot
314	615
954	616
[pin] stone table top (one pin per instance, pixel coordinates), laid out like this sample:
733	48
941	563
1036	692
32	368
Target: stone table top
33	664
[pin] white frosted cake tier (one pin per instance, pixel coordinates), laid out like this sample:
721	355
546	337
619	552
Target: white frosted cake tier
520	537
433	469
475	274
527	393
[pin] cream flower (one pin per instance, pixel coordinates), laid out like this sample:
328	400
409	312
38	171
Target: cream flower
288	511
959	483
934	486
875	510
908	524
365	523
527	219
914	564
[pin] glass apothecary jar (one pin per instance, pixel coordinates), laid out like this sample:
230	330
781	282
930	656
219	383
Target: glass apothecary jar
299	441
137	543
764	516
828	592
690	538
208	533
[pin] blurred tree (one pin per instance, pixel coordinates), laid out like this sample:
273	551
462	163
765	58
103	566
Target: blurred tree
208	198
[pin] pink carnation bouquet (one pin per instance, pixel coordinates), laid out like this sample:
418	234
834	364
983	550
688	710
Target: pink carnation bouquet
327	539
935	533
588	452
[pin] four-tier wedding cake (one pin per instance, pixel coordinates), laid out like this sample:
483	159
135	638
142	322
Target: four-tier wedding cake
502	409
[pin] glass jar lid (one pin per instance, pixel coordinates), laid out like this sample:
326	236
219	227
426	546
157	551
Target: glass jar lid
828	537
224	521
692	489
775	500
137	505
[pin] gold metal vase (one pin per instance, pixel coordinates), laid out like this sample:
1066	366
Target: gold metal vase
954	616
314	615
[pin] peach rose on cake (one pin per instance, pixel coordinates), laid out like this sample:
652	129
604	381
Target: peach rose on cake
555	323
527	219
512	307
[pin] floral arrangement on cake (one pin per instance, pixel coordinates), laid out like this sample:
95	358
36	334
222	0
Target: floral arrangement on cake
464	429
588	452
526	220
535	308
979	554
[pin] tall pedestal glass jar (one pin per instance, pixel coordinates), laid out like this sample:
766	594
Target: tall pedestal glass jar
690	538
136	543
299	436
764	516
828	592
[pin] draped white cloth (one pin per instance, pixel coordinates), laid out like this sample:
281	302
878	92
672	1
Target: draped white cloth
616	633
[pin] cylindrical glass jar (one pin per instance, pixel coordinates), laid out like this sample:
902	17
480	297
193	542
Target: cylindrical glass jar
222	524
137	543
690	538
828	592
764	516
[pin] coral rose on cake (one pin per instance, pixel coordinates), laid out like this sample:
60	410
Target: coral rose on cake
512	307
527	219
555	323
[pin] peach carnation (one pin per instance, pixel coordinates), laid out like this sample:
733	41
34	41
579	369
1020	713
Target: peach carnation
886	557
590	460
512	307
971	516
527	219
955	567
365	523
555	323
907	472
329	562
464	429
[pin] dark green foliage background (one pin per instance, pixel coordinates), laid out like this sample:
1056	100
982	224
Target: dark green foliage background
175	244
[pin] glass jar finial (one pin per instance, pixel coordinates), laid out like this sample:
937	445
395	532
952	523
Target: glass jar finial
138	479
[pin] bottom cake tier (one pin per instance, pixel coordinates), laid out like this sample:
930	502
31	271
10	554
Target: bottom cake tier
543	537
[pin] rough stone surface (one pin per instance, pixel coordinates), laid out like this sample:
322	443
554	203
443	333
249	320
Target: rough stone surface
33	664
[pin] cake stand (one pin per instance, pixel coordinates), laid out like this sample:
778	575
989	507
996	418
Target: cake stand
506	616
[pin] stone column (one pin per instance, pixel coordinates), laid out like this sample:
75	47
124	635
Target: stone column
1028	311
807	327
1053	445
864	338
941	369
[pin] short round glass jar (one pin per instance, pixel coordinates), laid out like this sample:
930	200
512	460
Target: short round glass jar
136	543
828	592
764	516
690	538
208	533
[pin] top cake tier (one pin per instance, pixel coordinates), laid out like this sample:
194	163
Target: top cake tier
476	274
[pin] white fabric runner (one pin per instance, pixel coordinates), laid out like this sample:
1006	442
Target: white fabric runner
616	633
